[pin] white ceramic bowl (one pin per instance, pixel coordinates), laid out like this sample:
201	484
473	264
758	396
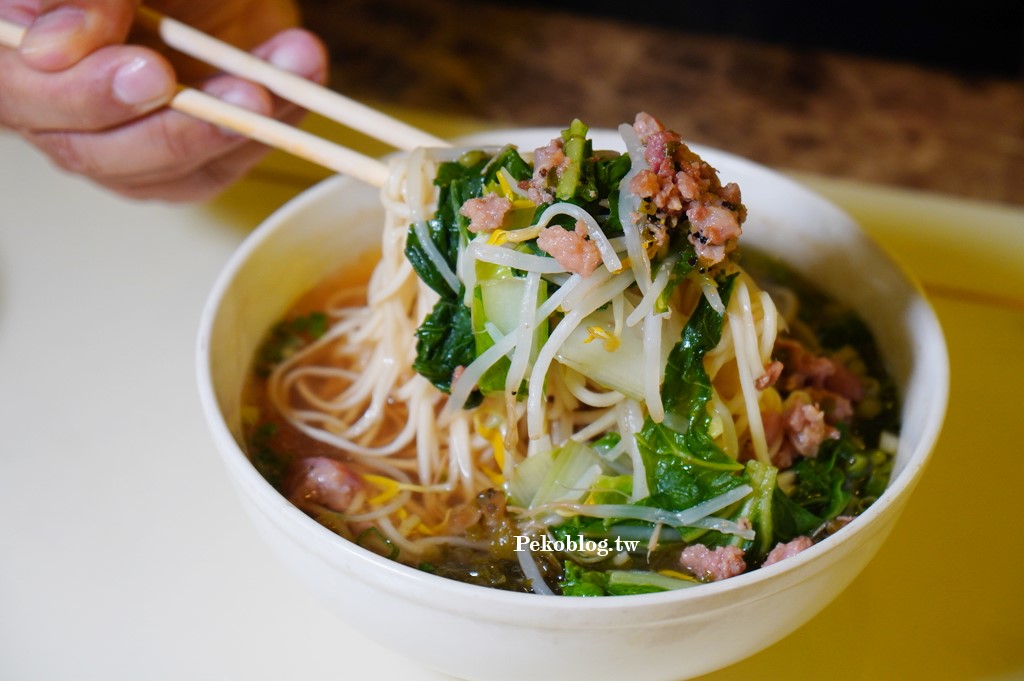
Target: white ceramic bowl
494	635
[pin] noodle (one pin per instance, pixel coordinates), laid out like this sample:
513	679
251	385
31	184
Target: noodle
572	403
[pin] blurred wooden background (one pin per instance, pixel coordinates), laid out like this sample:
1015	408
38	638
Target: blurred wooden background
879	93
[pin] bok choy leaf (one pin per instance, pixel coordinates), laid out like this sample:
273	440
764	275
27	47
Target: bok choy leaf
684	466
445	340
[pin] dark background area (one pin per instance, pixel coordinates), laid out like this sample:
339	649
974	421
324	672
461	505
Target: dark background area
984	37
910	94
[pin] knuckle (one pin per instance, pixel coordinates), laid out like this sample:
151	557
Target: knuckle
172	141
12	107
68	152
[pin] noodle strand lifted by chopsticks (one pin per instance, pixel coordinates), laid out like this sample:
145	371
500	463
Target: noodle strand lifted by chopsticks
436	455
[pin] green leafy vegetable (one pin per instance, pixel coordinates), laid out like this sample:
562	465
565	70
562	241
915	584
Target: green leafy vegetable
576	147
611	489
572	462
687	387
444	237
579	581
821	487
270	463
684	465
288	337
509	159
681	475
445	342
757	510
554	475
374	540
608	173
607	442
457	182
625	582
843	479
497	300
590	181
790	519
683	265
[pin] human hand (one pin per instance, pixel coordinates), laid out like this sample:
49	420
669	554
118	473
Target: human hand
97	106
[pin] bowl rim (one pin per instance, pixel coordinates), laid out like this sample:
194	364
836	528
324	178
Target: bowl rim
422	586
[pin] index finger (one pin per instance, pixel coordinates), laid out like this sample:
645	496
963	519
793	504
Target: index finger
64	31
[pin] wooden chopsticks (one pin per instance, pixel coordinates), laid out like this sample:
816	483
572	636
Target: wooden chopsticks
305	93
269	131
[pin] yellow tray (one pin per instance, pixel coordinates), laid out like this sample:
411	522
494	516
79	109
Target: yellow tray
944	597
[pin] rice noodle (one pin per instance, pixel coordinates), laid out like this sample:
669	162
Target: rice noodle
710	289
354	389
499	255
744	336
630	423
585	288
575	382
532	572
647	303
471	375
466	267
652	369
729	441
687	518
597	426
629	209
524	334
535	399
416	193
769	326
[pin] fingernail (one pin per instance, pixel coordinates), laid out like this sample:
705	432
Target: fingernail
238	94
141	84
241	94
19	12
51	40
298	57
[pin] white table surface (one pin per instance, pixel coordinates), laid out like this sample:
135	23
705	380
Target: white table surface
123	551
